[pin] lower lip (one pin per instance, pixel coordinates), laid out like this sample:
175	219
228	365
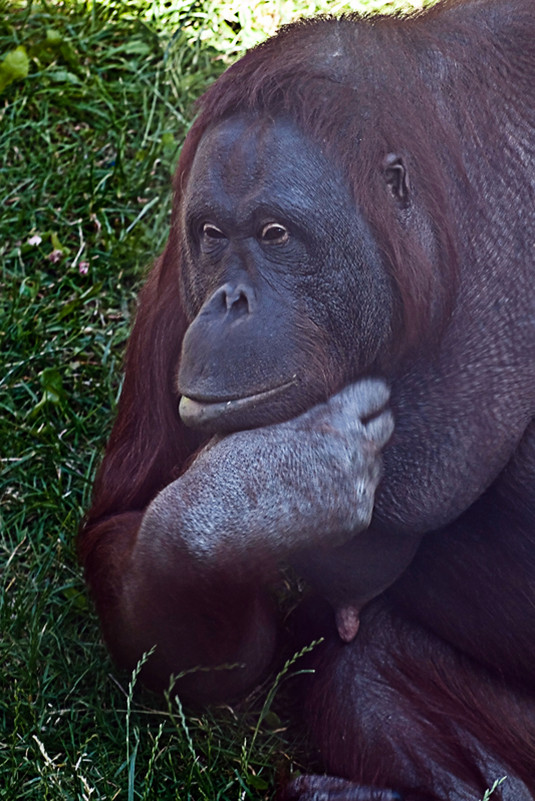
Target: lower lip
200	414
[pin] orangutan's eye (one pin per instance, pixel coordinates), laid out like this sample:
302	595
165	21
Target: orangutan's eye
211	231
274	234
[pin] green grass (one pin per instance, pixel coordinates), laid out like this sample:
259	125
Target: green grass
88	141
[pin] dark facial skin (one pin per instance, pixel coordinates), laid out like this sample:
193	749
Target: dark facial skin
304	333
288	299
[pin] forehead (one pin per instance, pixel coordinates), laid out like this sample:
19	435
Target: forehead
248	158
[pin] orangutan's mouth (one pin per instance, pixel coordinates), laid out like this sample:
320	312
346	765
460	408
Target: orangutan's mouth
201	413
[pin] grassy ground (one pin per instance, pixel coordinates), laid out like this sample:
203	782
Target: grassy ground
88	140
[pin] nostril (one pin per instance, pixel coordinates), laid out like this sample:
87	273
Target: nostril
230	302
239	300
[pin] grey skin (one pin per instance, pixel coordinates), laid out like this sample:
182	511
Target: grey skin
457	429
462	413
254	493
462	409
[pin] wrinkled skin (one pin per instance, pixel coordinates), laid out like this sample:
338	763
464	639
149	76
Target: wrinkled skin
270	337
279	315
225	514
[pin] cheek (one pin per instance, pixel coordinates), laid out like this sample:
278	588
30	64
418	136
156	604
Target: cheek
352	299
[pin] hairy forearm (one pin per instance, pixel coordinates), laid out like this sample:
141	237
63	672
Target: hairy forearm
202	621
194	578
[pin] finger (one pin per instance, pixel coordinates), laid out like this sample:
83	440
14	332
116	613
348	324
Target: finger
380	429
359	401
